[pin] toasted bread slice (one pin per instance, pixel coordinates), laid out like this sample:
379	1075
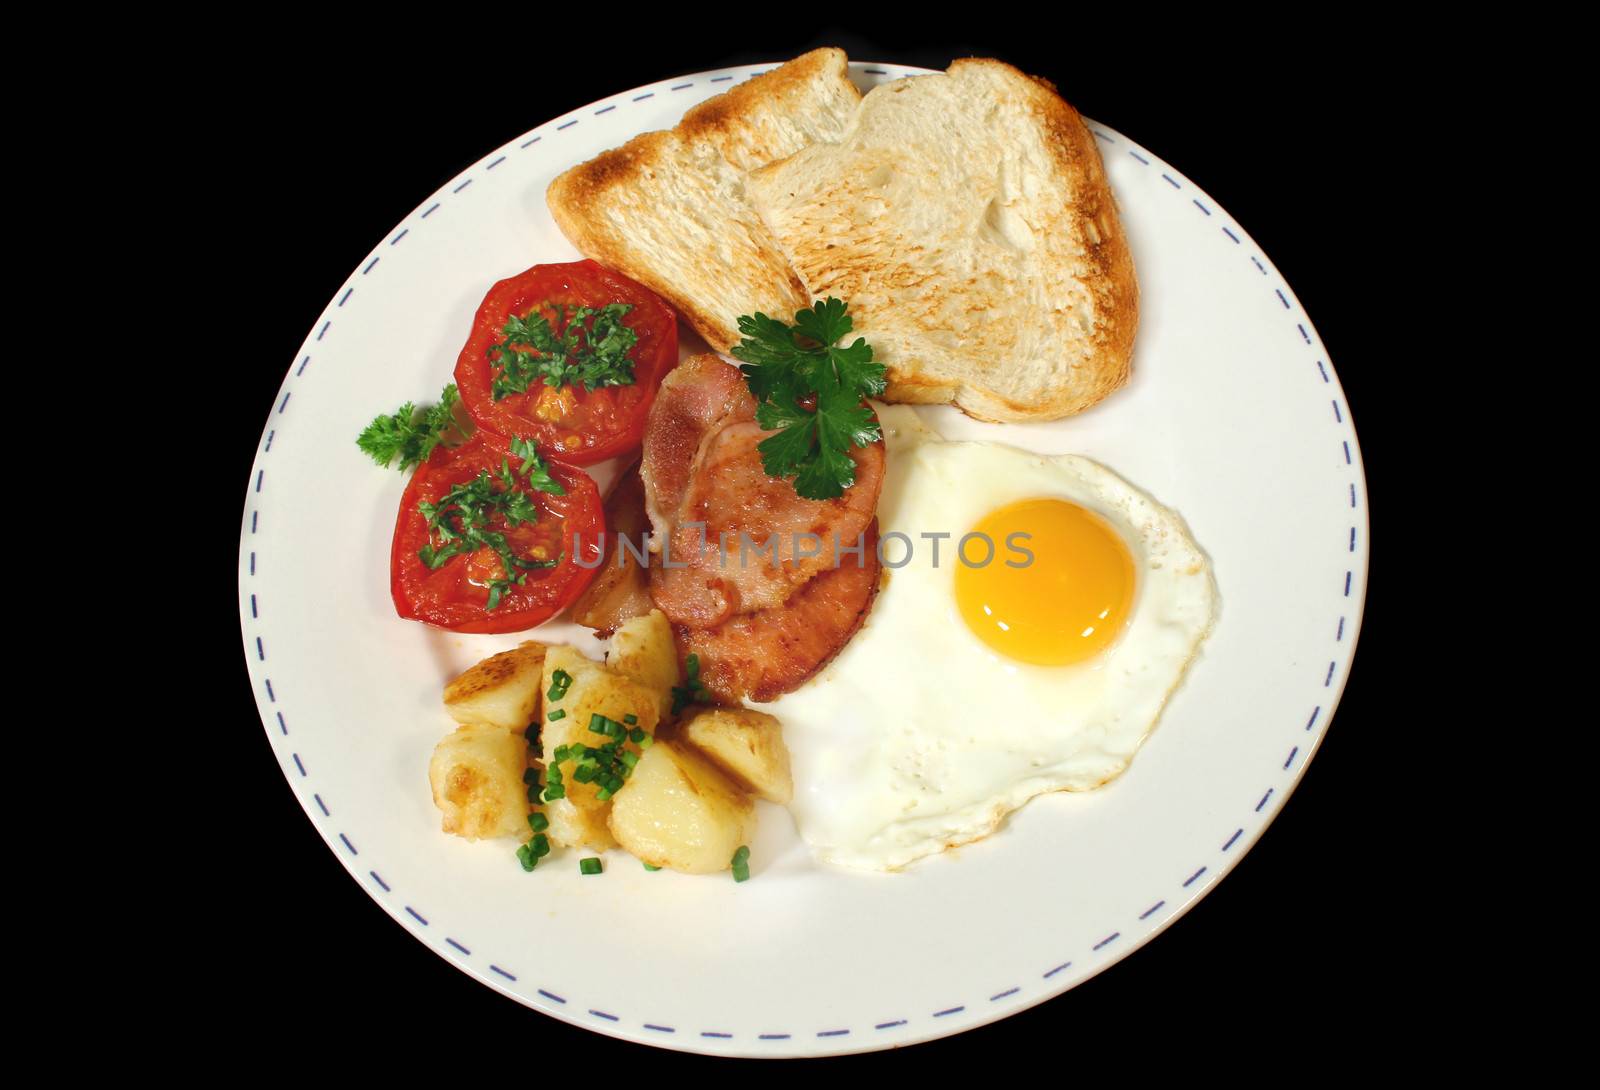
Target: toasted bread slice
668	208
967	221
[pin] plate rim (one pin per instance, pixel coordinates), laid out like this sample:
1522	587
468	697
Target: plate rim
826	1043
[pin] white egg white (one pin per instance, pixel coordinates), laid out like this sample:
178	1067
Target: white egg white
919	736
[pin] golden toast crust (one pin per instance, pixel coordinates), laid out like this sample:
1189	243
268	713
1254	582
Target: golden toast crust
1115	286
667	208
689	213
967	220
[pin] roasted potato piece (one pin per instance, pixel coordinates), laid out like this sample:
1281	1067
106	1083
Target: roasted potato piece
593	690
575	827
678	811
748	746
501	691
643	650
476	775
621	588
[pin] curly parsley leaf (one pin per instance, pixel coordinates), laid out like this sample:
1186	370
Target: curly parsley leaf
767	349
587	346
824	322
809	389
411	438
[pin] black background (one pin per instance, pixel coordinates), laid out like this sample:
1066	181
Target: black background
330	140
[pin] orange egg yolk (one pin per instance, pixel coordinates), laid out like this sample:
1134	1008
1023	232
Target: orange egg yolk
1067	604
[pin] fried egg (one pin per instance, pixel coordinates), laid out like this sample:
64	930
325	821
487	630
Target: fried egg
1036	614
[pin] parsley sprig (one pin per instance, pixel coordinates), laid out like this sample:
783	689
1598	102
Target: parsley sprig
460	522
809	389
411	437
591	349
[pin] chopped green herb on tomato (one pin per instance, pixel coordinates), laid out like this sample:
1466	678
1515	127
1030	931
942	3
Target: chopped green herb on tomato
569	356
461	521
585	346
490	536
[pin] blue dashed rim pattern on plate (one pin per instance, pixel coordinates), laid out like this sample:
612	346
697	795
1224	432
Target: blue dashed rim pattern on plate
1119	937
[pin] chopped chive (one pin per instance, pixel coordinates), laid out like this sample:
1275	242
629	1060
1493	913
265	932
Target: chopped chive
607	765
533	792
540	846
605	726
560	682
530	775
646	742
559	713
589	866
538	822
649	866
532	734
636	735
631	719
526	857
741	864
692	692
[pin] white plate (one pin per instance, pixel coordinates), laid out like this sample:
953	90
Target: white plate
1234	417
